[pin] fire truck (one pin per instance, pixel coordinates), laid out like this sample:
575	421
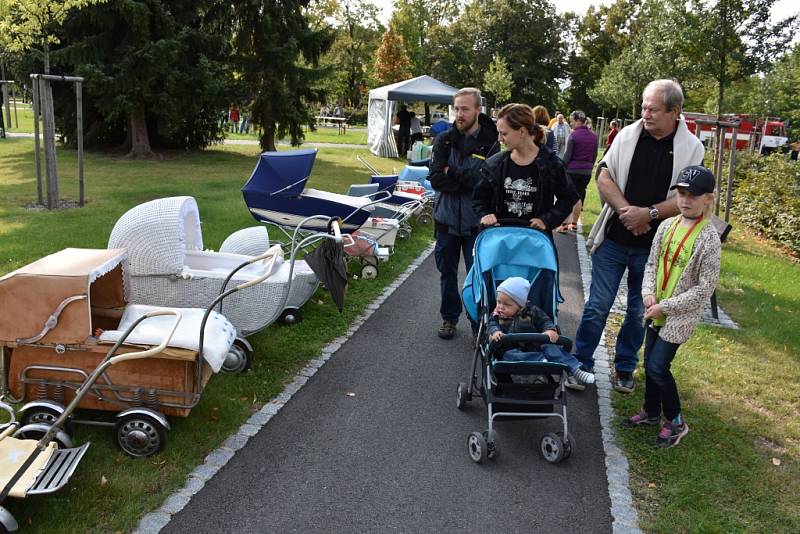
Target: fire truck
765	134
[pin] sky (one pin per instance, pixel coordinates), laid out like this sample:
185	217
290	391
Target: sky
781	9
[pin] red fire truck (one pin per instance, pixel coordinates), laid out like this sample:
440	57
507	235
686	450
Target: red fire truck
766	134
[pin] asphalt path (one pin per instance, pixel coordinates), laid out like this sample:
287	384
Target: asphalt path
374	442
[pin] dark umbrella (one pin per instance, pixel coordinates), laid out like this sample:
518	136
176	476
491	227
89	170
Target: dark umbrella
329	264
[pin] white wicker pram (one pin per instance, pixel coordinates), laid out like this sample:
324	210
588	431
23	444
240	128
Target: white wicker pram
167	266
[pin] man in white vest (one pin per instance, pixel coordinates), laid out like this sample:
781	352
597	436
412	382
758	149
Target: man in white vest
634	180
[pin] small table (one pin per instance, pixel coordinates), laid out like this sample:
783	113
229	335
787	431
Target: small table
341	122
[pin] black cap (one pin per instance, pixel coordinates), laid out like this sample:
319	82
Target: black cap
697	179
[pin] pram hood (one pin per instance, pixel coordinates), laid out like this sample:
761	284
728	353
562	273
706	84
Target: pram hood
509	251
282	174
31	294
157	235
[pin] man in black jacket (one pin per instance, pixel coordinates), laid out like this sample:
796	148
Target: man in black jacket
454	171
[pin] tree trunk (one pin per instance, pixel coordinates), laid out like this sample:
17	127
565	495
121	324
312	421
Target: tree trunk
267	139
140	140
46	56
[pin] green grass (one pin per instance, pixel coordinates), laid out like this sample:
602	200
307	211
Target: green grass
740	398
214	177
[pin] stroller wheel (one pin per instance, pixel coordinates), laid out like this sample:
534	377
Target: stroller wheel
476	444
403	233
290	316
424	218
552	448
44	415
238	358
369	272
492	449
569	444
140	435
461	395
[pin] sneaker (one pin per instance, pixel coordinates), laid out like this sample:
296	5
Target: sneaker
624	382
671	434
574	384
584	377
641	418
447	330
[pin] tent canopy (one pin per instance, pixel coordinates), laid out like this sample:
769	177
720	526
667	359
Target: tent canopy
382	108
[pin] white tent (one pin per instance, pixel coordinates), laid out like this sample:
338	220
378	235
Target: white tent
382	103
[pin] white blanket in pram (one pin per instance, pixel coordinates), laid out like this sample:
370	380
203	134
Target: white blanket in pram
219	332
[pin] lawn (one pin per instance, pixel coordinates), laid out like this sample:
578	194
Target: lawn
738	470
109	491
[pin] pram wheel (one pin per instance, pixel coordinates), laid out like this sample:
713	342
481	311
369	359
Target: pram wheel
424	218
492	450
478	450
290	316
140	435
36	431
44	415
403	233
238	358
569	444
369	272
552	447
462	396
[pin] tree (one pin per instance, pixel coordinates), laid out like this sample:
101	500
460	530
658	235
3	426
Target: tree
31	23
497	80
277	53
391	61
154	74
414	20
779	90
732	39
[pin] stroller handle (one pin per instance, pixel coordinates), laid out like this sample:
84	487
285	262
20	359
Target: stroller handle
513	221
154	350
272	254
510	339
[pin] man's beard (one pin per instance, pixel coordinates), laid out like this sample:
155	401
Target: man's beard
467	127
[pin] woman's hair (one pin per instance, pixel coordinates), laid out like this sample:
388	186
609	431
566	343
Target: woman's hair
519	116
541	115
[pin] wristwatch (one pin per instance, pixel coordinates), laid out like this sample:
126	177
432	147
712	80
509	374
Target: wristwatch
654	213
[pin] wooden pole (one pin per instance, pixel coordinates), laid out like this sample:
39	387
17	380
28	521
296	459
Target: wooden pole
7	102
731	170
37	152
50	146
79	112
14	98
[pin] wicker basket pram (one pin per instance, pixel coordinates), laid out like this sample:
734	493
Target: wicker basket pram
167	266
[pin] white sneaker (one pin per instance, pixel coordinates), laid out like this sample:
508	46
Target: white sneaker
572	383
584	376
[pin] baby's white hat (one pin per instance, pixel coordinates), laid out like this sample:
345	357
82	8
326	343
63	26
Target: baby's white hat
517	288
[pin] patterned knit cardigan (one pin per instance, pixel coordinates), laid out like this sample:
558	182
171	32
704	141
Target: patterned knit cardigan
694	288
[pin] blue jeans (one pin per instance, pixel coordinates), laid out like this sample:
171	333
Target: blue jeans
608	265
448	249
661	392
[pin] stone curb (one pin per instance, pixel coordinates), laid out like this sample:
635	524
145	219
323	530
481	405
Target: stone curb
153	522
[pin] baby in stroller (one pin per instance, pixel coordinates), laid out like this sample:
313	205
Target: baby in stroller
513	314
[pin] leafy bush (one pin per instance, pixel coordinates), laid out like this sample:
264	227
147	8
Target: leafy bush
767	197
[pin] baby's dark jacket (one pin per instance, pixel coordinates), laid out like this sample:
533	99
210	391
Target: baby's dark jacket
529	320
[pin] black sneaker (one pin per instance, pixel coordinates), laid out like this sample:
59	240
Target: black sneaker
447	330
624	382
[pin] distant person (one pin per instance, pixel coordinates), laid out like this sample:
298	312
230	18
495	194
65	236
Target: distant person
324	111
554	120
338	111
233	117
404	130
415	127
561	131
579	157
612	133
680	276
454	170
542	117
634	179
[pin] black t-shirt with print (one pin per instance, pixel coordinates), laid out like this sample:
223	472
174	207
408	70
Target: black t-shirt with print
520	191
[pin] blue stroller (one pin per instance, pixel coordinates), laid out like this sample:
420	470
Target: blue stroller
514	389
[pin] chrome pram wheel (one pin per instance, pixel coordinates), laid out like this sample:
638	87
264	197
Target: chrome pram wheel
478	450
424	218
552	447
369	272
140	435
238	359
290	316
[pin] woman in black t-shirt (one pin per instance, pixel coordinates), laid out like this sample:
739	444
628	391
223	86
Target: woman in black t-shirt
525	181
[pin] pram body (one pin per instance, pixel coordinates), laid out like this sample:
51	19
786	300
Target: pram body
514	389
49	347
166	266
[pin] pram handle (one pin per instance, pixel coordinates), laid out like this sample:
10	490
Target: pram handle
154	350
512	221
510	339
272	255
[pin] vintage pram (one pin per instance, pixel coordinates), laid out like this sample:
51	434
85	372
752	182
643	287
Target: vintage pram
411	194
36	466
276	195
525	389
67	308
167	266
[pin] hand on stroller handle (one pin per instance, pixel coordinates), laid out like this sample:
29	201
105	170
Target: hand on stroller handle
513	221
510	339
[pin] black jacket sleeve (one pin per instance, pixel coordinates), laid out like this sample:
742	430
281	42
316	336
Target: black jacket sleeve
565	194
445	182
493	326
483	201
541	321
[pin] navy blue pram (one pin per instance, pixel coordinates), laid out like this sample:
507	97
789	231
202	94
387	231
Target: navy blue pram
514	389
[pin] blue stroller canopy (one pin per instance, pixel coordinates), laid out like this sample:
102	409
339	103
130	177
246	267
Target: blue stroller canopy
507	251
281	174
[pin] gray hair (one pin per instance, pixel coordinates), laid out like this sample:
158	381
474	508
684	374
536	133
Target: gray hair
464	91
578	115
671	93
